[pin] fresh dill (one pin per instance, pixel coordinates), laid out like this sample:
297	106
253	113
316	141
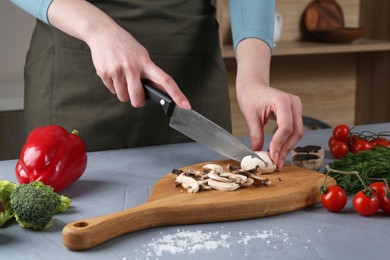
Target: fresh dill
372	165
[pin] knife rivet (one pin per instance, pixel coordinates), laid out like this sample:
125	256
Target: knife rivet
162	102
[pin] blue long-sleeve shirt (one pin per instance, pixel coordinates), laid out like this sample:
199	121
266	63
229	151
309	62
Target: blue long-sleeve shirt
249	18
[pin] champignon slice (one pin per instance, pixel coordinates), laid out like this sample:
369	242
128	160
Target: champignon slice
203	185
194	174
248	183
185	185
270	165
238	178
213	167
260	180
265	163
189	182
223	186
249	163
214	176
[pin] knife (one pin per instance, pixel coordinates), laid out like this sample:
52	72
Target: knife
198	127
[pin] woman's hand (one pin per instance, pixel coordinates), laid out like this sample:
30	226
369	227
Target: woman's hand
120	61
259	102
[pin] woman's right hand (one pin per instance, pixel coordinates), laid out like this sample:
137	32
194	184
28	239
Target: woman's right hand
120	61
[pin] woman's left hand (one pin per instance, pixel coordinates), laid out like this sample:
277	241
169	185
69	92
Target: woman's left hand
259	102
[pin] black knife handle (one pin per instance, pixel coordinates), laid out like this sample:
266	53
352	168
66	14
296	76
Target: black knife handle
155	95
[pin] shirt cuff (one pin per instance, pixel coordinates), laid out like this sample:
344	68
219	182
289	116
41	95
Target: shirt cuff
253	33
36	8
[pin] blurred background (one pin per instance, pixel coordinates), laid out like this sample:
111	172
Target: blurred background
334	54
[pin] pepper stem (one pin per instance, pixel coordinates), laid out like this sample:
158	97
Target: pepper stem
75	132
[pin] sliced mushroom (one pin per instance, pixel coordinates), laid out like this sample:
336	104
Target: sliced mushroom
249	182
196	174
191	185
213	167
223	186
264	162
177	172
213	177
259	179
270	165
216	177
249	163
232	168
203	185
185	185
238	178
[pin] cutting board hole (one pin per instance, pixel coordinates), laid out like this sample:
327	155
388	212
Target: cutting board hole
80	224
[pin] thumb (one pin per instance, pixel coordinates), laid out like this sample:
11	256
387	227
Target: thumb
168	84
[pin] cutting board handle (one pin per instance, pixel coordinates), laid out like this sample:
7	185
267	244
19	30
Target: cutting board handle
88	233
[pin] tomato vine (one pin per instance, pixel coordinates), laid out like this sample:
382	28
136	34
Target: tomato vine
344	140
366	201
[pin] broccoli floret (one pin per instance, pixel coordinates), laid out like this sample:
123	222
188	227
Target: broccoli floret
6	213
35	204
64	205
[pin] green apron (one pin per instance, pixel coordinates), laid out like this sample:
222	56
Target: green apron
181	37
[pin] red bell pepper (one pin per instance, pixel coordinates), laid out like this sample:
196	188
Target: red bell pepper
53	156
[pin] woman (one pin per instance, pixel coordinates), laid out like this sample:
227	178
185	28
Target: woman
172	43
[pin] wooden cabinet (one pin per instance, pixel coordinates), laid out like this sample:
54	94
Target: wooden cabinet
337	82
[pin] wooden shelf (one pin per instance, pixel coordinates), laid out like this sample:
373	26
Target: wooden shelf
307	48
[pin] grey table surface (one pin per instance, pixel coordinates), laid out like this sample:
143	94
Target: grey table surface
120	179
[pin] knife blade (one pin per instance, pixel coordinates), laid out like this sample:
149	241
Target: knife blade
198	127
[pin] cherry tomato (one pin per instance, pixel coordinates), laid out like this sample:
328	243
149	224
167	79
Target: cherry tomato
341	133
385	203
379	187
352	139
362	145
334	199
380	142
365	204
383	196
331	141
339	149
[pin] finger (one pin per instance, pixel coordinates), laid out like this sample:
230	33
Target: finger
291	131
135	90
298	129
166	83
285	125
256	132
120	86
109	84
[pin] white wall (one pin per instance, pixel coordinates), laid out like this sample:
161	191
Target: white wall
16	27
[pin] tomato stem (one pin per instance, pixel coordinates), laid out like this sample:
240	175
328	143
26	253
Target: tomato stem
326	176
368	135
385	181
323	189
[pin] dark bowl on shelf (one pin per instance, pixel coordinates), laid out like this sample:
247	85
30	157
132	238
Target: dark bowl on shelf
337	34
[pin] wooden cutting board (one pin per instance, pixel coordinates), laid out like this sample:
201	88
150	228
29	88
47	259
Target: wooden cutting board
292	189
